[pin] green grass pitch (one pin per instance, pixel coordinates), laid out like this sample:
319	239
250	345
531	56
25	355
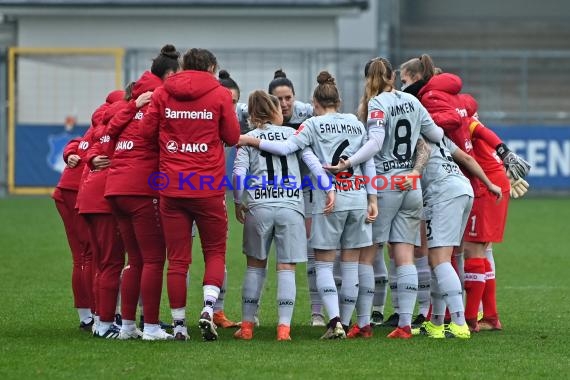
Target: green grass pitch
39	335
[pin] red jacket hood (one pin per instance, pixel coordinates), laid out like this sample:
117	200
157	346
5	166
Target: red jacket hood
115	96
147	82
112	110
470	104
445	82
190	84
97	117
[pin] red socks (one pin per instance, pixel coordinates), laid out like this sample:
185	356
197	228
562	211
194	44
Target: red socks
474	285
490	293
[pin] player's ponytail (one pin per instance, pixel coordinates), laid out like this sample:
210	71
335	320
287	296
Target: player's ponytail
379	78
226	81
166	61
280	79
422	67
262	108
326	92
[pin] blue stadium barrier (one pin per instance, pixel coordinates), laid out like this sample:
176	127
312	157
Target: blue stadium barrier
38	151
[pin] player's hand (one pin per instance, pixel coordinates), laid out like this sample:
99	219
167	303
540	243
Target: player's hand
340	167
515	165
241	210
411	181
372	211
329	205
101	162
73	160
519	187
143	99
496	190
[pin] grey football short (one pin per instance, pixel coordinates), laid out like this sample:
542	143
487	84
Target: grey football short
347	228
284	226
446	221
399	214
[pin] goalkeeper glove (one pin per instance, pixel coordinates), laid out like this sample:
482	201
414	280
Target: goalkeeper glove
516	167
519	187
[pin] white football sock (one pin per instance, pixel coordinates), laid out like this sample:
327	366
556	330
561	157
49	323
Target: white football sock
365	294
348	290
251	291
450	287
393	281
380	281
316	303
407	293
327	288
424	279
437	302
84	315
286	293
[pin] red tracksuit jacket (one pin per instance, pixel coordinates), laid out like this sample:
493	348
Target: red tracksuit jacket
193	116
71	177
135	158
440	96
90	199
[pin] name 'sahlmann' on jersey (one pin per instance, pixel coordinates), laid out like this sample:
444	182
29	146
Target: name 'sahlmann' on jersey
341	128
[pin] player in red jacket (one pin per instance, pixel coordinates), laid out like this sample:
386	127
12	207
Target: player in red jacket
106	242
65	196
193	116
135	204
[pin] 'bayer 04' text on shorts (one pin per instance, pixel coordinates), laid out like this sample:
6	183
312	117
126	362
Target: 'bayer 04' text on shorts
283	225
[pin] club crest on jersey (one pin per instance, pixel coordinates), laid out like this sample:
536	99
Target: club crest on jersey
468	145
172	146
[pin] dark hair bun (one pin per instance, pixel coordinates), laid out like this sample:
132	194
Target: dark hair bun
223	74
325	77
169	51
279	74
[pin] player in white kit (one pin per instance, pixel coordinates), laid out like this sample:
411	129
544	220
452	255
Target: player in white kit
448	198
395	121
272	211
342	210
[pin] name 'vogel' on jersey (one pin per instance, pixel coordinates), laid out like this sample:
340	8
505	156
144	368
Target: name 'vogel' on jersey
341	128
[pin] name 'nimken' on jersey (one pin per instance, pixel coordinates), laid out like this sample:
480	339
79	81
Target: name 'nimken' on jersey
400	109
188	114
341	128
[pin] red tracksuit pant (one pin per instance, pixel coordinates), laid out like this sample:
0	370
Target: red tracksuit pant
80	245
141	230
211	217
109	260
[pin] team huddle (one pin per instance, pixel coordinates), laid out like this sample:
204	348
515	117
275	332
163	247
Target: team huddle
414	170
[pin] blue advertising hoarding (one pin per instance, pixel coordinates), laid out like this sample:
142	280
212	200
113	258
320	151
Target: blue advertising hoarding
38	154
